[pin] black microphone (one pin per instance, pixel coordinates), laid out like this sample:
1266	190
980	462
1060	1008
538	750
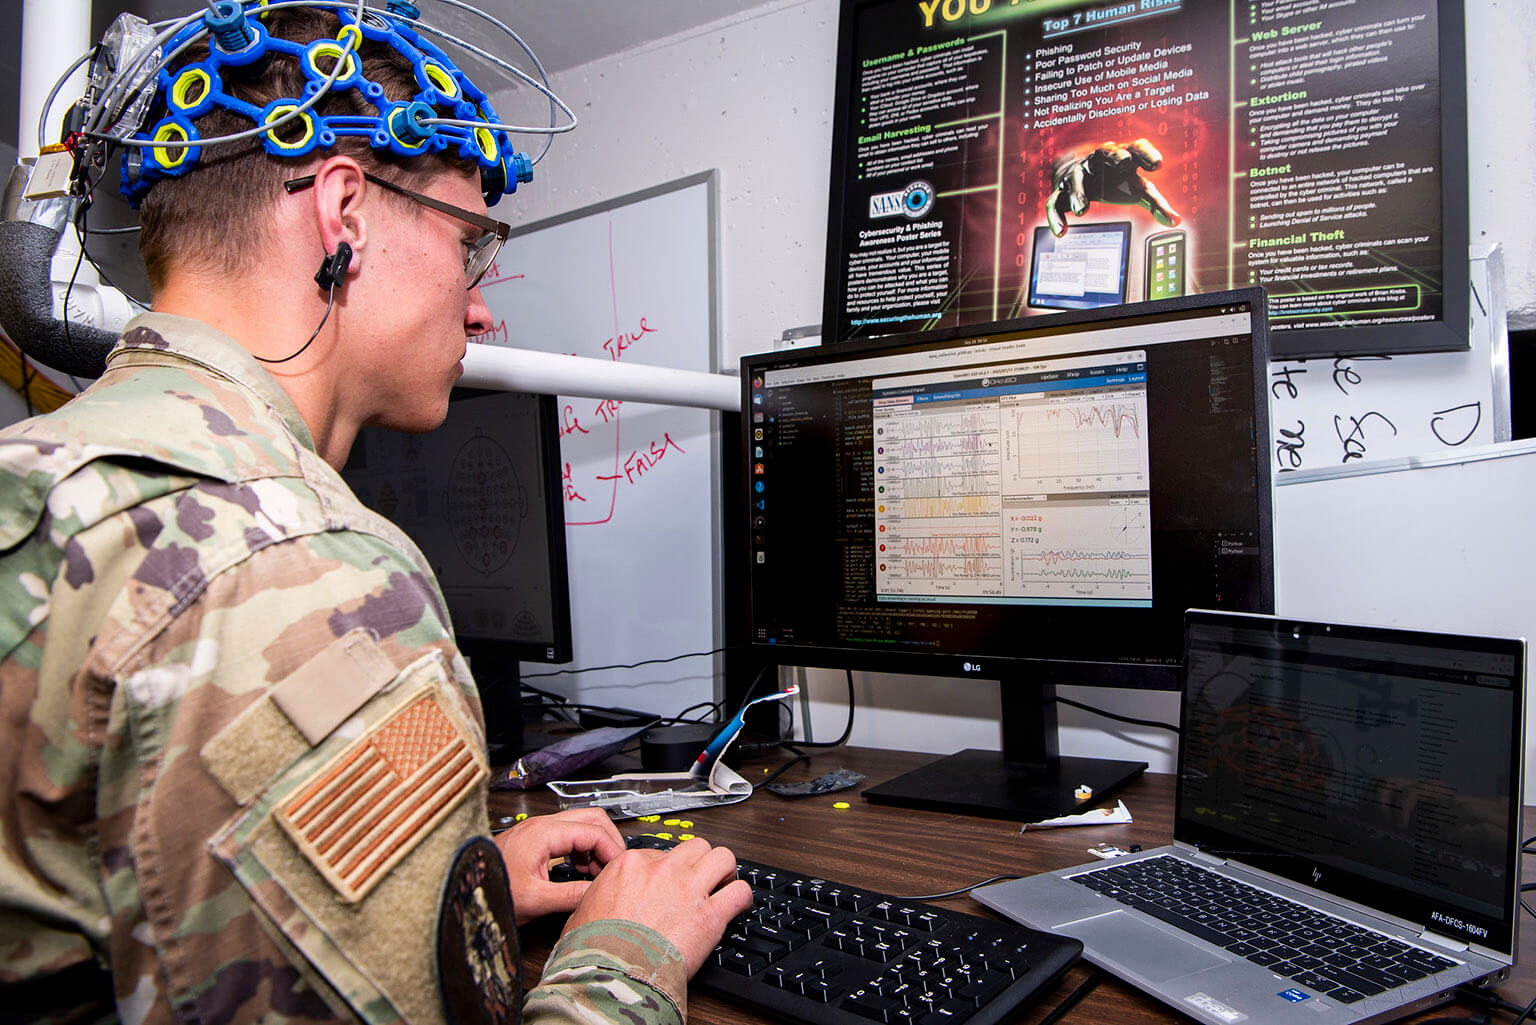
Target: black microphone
333	269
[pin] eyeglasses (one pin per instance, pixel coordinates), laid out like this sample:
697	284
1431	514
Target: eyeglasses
482	251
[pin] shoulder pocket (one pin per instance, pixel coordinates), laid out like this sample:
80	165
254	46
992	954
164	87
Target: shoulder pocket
347	847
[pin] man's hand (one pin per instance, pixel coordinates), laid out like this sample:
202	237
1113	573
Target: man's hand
529	846
1108	175
679	893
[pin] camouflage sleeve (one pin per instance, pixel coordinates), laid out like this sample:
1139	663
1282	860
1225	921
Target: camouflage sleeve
614	971
291	757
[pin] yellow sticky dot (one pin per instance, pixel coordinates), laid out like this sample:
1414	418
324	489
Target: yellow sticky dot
685	836
840	805
664	836
672	822
520	816
685	823
650	818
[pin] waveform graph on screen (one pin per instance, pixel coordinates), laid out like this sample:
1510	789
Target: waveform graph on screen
1081	443
1080	549
937	503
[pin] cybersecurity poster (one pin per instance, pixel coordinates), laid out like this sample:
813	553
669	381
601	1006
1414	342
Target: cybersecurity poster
1005	159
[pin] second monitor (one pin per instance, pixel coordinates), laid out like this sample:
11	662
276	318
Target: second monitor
1038	504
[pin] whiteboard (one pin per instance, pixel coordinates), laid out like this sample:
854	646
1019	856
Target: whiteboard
1358	409
633	280
1427	544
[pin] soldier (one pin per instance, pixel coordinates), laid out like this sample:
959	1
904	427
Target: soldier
242	773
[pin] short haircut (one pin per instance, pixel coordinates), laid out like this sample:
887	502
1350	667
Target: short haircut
214	216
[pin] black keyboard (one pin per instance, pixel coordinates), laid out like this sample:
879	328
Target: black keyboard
816	951
1320	951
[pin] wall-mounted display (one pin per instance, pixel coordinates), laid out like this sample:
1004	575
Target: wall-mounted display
1001	158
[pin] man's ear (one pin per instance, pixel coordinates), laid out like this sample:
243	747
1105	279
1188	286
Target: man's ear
338	196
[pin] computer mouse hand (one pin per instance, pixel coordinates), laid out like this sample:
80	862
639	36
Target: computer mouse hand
530	846
1109	174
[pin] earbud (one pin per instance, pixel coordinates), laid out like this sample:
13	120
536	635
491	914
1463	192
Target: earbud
333	269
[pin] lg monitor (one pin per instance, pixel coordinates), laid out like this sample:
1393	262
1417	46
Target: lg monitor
1036	503
481	498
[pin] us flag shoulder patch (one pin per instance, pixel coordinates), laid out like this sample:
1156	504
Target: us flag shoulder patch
371	804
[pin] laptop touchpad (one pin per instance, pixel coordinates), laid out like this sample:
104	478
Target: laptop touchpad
1156	954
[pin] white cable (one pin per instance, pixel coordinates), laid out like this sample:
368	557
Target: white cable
341	64
125	73
42	117
554	101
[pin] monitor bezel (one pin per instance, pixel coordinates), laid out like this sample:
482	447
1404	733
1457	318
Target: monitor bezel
1144	675
559	648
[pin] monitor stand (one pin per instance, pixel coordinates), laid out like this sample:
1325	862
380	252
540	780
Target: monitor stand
1028	780
498	677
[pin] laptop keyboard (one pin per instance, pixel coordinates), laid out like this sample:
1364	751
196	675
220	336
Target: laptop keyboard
1321	952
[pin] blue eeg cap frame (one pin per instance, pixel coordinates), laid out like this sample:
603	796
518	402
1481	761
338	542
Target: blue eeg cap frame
238	37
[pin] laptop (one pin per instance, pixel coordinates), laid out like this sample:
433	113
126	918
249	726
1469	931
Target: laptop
1345	835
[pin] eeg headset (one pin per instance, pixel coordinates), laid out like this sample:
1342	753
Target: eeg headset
140	102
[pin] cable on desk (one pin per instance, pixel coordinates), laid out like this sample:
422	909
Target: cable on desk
963	890
794	745
799	757
629	665
847	728
1152	723
1487	998
1095	976
560	703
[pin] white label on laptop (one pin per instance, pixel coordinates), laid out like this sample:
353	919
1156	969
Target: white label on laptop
1210	1005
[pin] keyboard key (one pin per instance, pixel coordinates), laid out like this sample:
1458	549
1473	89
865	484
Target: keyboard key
1352	981
740	962
949	1012
873	1006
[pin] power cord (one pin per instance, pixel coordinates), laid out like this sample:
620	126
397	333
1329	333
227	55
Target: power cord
1150	723
1088	985
630	665
962	891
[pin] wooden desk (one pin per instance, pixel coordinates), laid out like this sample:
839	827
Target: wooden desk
907	852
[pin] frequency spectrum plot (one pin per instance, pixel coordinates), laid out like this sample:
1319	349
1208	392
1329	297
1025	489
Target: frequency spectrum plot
1088	443
1086	549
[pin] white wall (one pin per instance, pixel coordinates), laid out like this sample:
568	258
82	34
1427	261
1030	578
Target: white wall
752	96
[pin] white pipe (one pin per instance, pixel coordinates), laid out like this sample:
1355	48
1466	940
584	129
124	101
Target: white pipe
53	34
496	366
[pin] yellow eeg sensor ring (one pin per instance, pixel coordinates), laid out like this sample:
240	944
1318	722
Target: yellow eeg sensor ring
487	143
192	92
170	157
296	145
438	78
324	48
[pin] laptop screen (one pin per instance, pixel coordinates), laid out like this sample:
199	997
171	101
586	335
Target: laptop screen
1380	765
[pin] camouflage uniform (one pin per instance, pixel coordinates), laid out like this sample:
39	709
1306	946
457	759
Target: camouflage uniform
200	629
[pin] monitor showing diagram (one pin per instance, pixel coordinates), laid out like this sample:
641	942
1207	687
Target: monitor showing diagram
480	496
